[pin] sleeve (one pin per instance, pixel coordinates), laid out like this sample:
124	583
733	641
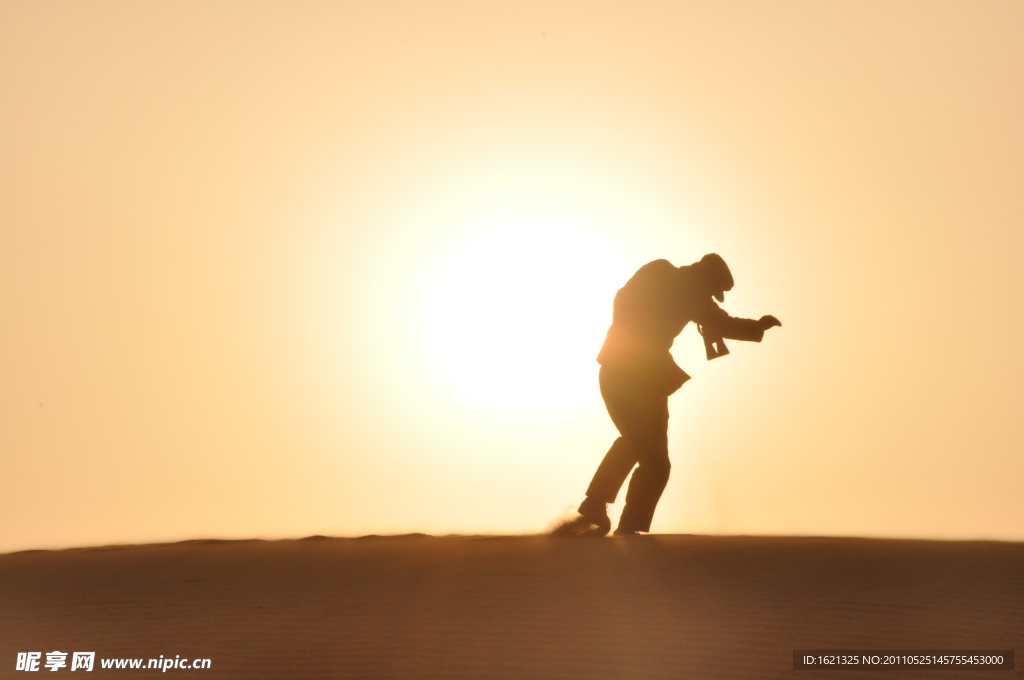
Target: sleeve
716	324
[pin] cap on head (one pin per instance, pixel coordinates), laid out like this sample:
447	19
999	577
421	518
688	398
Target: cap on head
716	273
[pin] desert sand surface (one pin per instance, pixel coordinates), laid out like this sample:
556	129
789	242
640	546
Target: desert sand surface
418	606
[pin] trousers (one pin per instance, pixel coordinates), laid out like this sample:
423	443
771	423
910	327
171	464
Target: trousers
639	410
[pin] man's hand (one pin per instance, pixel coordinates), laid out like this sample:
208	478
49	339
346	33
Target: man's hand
768	321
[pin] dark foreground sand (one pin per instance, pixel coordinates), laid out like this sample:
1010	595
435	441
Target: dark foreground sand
513	607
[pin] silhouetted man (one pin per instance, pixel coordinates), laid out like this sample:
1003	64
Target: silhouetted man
638	374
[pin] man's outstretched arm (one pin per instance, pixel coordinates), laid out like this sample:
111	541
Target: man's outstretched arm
716	323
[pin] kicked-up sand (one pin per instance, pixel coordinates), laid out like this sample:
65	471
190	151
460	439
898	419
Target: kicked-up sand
512	607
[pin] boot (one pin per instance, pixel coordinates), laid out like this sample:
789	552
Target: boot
592	522
597	512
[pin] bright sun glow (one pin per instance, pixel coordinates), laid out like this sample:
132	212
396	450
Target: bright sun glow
516	315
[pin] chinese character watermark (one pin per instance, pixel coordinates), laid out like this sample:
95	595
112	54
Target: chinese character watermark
82	660
28	661
55	660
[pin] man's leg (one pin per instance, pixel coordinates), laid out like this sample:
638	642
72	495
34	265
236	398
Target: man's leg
617	392
650	436
640	413
612	472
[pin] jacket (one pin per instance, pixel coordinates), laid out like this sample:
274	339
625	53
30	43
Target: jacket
652	309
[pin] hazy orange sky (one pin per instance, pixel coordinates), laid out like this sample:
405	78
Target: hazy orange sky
278	269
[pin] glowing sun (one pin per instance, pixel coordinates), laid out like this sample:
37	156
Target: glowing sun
516	314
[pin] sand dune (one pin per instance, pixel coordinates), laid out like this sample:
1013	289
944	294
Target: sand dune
513	607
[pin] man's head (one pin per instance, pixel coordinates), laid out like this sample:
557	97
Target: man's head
715	274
